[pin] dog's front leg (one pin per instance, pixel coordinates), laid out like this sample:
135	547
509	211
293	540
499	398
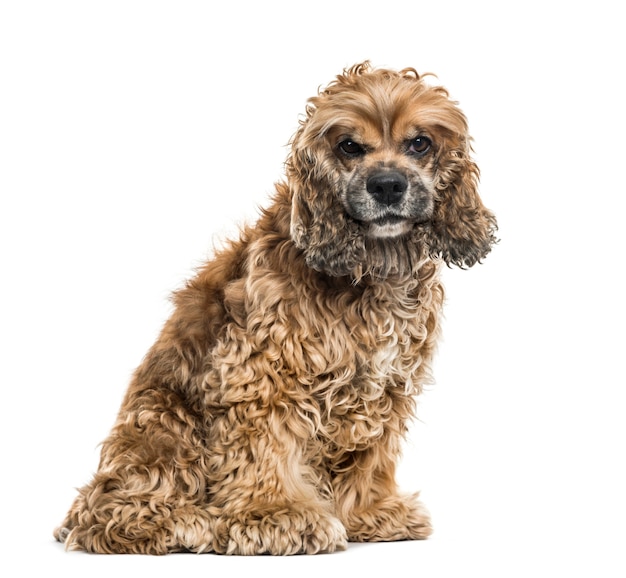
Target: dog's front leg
368	501
265	492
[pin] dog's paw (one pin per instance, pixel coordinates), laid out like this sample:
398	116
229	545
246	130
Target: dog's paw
61	533
394	518
282	532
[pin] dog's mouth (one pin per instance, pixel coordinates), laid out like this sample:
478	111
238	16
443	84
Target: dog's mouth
389	226
389	220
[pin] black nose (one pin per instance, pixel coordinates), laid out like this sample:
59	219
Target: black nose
387	187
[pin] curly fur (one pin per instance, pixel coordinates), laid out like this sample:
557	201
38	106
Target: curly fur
269	414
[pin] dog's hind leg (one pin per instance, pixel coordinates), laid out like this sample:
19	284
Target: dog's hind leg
148	495
139	526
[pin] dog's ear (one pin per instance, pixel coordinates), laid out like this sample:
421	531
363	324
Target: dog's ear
319	228
462	230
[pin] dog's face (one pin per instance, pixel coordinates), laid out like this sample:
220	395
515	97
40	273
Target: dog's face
387	172
381	176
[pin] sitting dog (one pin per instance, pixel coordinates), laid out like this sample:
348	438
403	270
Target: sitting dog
268	416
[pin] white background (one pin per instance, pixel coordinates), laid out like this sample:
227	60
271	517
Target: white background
135	135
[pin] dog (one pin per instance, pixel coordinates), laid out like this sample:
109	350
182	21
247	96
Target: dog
268	417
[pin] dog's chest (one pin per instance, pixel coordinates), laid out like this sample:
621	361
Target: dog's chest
373	359
383	333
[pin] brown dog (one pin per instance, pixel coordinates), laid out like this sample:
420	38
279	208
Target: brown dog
269	414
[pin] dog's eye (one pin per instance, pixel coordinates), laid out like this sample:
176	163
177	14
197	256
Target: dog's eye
419	145
350	148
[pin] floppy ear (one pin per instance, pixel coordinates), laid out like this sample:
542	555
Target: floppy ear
463	230
319	226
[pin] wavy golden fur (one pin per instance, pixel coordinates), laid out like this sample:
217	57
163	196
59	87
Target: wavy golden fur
269	414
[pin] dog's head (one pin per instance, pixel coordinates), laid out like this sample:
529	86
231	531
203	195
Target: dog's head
382	177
